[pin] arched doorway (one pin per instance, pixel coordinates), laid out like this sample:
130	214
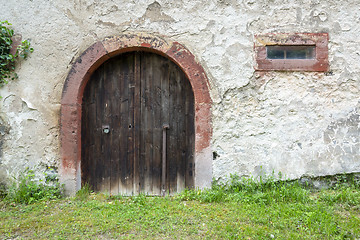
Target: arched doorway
138	126
82	70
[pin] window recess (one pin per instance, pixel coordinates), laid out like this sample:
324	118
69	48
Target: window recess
292	52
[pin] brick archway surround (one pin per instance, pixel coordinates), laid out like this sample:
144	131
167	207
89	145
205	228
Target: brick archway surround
90	60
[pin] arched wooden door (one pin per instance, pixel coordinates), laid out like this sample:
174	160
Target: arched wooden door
126	104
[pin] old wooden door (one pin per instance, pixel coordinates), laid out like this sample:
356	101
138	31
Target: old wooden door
126	103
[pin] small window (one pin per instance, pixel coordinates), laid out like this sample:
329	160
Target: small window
292	52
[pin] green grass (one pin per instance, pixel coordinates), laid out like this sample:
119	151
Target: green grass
242	209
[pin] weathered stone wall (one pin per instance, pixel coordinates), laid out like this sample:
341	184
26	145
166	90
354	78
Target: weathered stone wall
293	122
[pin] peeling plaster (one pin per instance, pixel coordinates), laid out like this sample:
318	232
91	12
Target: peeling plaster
296	123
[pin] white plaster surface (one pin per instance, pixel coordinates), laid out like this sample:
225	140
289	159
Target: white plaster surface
203	171
290	122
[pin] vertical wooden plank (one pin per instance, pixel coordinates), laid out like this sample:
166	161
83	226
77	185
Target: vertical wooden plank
122	125
85	168
165	116
190	135
106	146
147	119
143	122
129	163
98	167
114	125
85	136
118	136
152	77
159	117
137	122
182	139
93	131
173	131
91	135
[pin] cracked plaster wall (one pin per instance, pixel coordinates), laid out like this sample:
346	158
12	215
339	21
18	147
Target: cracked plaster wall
296	123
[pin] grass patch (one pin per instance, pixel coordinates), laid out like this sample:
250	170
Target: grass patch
238	209
28	189
83	193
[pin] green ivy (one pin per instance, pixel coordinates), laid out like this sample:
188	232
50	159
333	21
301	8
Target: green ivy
7	60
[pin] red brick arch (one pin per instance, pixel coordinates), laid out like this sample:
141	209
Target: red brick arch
90	60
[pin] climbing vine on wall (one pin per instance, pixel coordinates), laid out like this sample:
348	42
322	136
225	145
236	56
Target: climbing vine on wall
7	60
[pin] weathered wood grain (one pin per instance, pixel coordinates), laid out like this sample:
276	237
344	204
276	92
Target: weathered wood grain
135	94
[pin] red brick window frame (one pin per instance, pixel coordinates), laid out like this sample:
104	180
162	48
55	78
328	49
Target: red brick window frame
317	64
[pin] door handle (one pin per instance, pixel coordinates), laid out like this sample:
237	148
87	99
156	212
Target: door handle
163	172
